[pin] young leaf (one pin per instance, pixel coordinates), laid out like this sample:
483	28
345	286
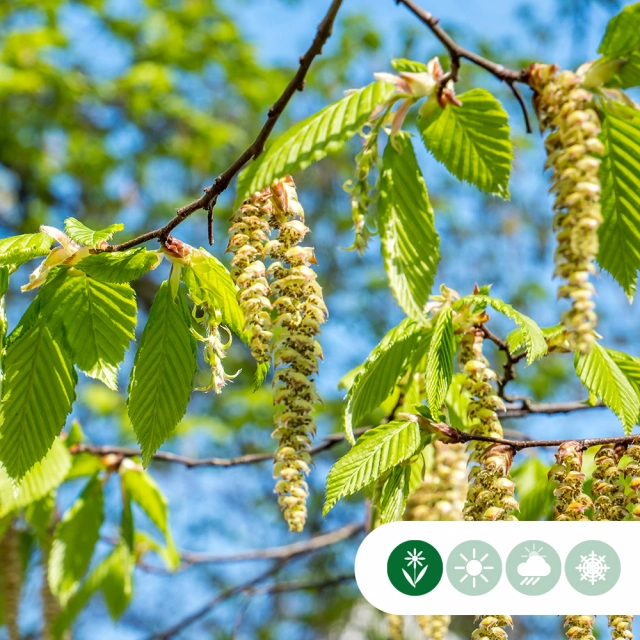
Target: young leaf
39	481
404	65
472	141
629	366
440	361
410	243
74	540
313	139
163	371
98	321
622	35
516	340
120	267
386	364
395	492
88	237
19	249
535	492
532	336
38	391
375	452
210	283
619	173
604	379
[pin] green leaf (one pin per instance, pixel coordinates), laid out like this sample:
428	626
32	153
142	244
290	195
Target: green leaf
629	366
98	321
404	65
604	379
620	200
440	361
143	490
313	139
75	539
19	249
622	35
261	373
163	371
472	141
532	336
210	283
38	391
376	452
535	492
38	482
386	364
516	340
120	267
88	237
410	244
395	492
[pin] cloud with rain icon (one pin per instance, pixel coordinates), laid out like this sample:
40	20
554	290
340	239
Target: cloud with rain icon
533	568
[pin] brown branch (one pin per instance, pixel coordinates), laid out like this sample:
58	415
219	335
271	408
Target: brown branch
513	410
222	182
458	53
510	365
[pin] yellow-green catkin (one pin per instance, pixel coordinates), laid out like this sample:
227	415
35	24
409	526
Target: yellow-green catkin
491	491
565	110
395	624
248	238
50	604
492	627
11	580
570	500
300	310
608	491
632	473
621	627
579	627
434	627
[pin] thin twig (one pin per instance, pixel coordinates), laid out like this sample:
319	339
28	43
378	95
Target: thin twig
222	182
457	53
510	364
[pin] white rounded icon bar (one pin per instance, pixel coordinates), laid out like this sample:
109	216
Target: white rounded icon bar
597	562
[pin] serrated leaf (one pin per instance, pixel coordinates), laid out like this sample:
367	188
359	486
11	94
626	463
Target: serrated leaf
622	35
81	234
75	539
532	336
404	65
96	319
619	233
535	492
210	283
630	367
163	371
376	452
261	373
386	364
410	243
38	391
395	492
472	141
602	377
516	340
19	249
38	482
440	361
120	267
313	139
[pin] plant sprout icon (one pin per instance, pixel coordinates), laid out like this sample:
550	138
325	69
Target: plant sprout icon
415	559
474	568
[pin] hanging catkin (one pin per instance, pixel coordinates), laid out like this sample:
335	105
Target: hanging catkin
300	311
491	491
632	472
608	491
570	500
573	148
434	627
492	627
579	627
621	627
396	626
10	580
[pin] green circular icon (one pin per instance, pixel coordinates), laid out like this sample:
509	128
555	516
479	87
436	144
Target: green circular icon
533	568
474	568
592	568
414	567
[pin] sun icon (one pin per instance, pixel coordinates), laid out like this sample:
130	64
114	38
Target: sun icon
474	567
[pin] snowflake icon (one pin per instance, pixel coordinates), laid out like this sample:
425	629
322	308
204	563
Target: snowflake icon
593	567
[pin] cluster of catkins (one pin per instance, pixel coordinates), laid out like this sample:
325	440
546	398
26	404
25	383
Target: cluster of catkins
621	627
491	491
570	500
610	502
11	579
573	147
288	290
492	627
579	627
632	472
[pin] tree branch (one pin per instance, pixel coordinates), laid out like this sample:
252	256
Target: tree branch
457	53
222	182
509	366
